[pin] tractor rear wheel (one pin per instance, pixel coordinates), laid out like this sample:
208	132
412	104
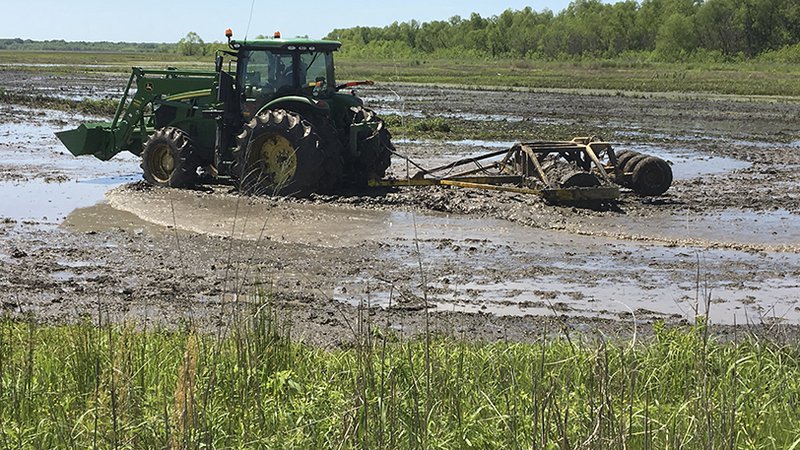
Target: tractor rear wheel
169	159
278	153
332	149
377	148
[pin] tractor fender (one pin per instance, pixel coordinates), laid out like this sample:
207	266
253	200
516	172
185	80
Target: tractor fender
286	102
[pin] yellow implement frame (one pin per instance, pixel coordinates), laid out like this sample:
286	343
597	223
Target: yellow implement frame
521	171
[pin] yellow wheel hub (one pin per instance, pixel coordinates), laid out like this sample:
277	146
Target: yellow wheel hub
163	163
279	158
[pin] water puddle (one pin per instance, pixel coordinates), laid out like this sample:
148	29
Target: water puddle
687	163
482	143
476	117
24	133
47	203
40	181
77	264
388	111
44	65
697	136
465	116
552	295
445	152
62	275
770	229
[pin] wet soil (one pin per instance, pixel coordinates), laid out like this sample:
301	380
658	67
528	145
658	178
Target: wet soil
78	236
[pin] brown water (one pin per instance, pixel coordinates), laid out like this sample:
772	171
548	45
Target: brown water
480	265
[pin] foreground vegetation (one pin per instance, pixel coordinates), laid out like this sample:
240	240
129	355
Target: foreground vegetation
87	386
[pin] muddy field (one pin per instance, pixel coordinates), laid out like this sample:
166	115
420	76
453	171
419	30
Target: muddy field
78	236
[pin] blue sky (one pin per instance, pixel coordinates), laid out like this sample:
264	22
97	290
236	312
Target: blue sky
168	21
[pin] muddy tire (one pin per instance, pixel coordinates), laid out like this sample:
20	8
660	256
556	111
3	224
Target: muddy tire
332	147
625	156
631	163
279	153
652	176
621	153
169	159
375	149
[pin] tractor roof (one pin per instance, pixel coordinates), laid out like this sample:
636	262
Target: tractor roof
286	44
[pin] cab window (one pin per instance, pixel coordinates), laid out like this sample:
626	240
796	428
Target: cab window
266	73
314	68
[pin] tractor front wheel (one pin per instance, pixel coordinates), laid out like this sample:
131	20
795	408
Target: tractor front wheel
278	153
168	159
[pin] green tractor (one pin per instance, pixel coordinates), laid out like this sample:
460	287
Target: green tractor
270	118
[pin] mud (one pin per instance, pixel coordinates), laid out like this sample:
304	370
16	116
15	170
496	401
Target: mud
80	237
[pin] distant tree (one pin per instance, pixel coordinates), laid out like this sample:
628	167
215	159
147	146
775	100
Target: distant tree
720	27
192	45
595	28
676	36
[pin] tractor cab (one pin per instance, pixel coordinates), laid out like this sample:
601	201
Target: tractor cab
269	69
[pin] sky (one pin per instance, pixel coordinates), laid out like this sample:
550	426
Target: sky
169	21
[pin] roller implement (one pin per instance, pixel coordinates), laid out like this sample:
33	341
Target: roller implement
583	170
272	120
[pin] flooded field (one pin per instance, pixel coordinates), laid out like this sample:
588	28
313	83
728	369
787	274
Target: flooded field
76	233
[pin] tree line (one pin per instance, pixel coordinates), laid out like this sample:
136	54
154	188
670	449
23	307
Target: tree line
669	29
715	30
59	45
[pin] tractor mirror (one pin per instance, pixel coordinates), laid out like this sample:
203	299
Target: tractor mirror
218	63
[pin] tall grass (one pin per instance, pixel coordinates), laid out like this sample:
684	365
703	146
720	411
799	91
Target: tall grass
111	386
774	74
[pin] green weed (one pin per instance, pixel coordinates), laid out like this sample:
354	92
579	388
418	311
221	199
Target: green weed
94	107
89	386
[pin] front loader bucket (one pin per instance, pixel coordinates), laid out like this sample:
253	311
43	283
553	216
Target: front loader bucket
90	139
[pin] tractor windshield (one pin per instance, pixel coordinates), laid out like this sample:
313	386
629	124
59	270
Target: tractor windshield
314	68
267	74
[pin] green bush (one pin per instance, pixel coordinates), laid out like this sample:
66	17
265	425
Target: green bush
432	124
789	54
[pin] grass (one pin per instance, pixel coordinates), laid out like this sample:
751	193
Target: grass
95	107
95	62
447	129
745	79
89	386
611	76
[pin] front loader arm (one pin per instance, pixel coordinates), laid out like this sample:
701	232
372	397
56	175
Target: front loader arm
133	120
